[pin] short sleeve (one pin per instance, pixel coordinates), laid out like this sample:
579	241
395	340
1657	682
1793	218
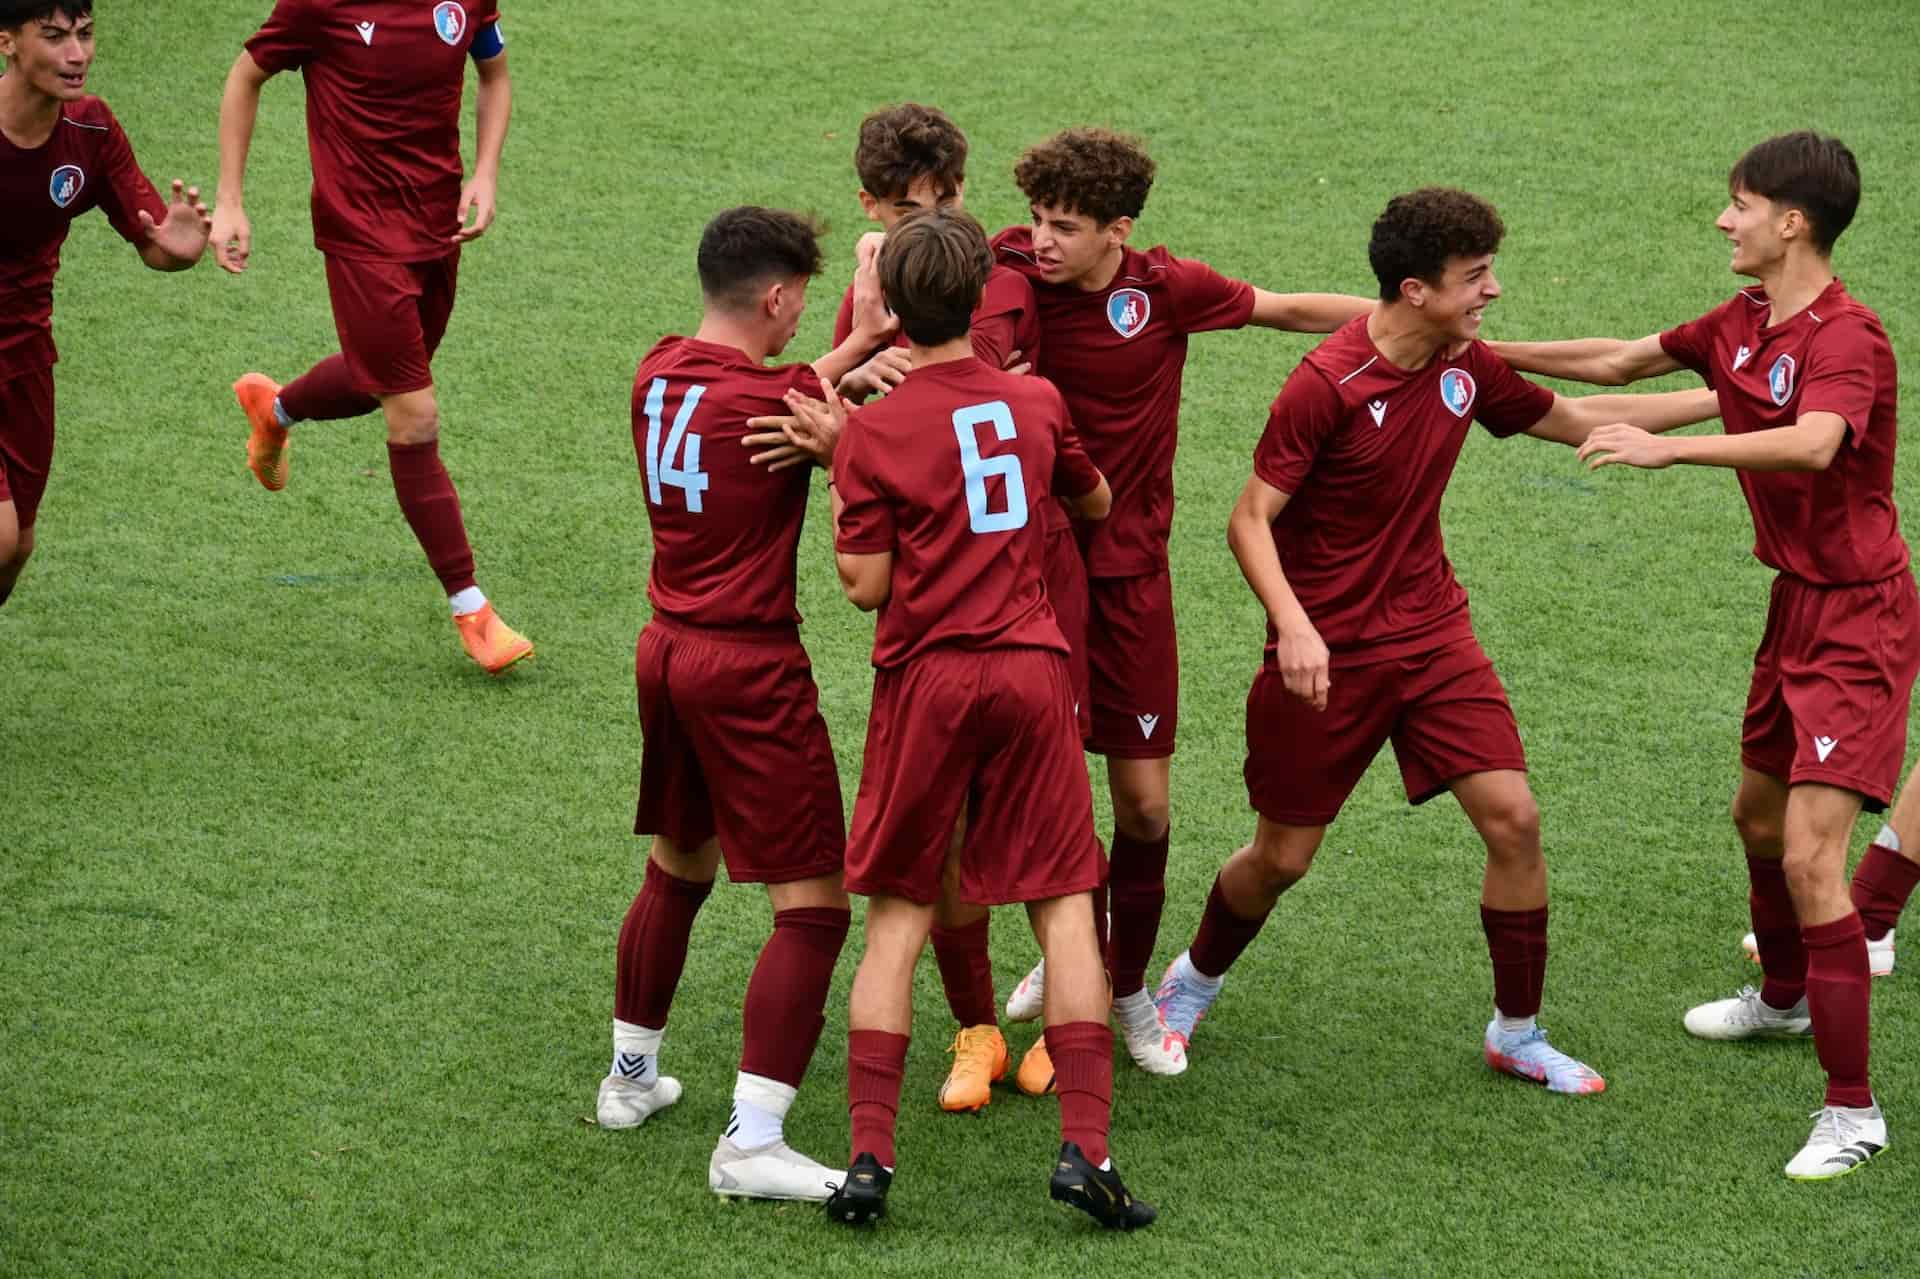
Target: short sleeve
127	190
1839	377
1204	300
865	525
1506	403
285	42
1074	474
1692	343
1005	305
1304	416
804	379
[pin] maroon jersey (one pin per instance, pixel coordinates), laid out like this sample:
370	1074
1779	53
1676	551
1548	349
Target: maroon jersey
1834	527
384	82
949	472
1117	355
1365	449
86	163
724	530
1004	322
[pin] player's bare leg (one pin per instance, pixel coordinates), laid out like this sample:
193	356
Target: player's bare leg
432	507
960	933
1513	911
1137	893
16	547
652	952
1778	1009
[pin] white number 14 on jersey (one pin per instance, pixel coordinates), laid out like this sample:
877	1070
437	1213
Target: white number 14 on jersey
661	471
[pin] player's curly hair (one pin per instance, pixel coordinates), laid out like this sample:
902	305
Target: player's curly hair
1812	172
1420	231
901	145
15	14
1095	172
745	248
932	268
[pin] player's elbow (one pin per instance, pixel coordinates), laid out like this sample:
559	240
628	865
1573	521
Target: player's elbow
1820	451
1094	505
865	586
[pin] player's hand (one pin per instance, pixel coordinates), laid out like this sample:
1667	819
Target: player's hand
182	235
476	202
1301	655
771	438
1018	363
879	375
1627	446
232	238
866	251
870	315
817	424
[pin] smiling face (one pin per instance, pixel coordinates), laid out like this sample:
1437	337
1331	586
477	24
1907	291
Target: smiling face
1454	305
51	55
1758	230
1073	248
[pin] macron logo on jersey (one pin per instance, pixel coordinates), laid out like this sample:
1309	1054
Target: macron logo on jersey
1379	410
1147	724
1780	380
65	185
366	32
449	21
1741	357
1823	747
1457	391
1127	311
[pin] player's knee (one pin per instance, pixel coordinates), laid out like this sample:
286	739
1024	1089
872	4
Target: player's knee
1139	816
1280	864
1815	869
413	418
1512	830
11	544
1758	827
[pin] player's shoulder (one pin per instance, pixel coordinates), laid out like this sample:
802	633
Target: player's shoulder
1149	268
723	369
1342	356
89	113
1841	312
1004	283
1013	249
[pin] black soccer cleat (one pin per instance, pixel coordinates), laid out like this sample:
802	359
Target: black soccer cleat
864	1196
1101	1195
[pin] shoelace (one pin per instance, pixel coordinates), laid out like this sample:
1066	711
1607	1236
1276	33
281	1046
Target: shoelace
1183	1007
1831	1119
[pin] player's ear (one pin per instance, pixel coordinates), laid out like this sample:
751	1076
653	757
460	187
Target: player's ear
870	204
1793	224
1120	228
1413	291
770	300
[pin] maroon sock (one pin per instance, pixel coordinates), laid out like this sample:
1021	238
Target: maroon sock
876	1063
1082	1053
653	946
1776	930
1838	989
966	970
1517	944
1222	936
1882	882
787	993
1137	889
432	508
326	393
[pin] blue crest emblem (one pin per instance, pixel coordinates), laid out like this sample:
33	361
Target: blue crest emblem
65	185
449	21
1457	391
1780	380
1127	311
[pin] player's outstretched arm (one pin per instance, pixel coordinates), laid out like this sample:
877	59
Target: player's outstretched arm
1306	312
1299	651
1600	361
1808	445
1573	418
179	239
232	234
873	324
493	106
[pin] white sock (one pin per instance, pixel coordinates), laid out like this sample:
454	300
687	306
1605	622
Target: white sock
1888	838
280	414
636	1053
1513	1025
1189	973
468	601
759	1111
1137	1007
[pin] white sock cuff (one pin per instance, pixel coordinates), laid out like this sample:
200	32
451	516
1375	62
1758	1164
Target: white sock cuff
467	600
1513	1025
629	1038
1138	1000
770	1095
1188	970
1888	838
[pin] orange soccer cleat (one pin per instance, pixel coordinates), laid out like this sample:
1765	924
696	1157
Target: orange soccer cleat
979	1062
267	445
490	641
1035	1076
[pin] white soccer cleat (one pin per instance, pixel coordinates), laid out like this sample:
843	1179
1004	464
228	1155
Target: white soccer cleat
1028	999
625	1104
1153	1047
777	1171
1526	1054
1183	999
1747	1016
1879	953
1842	1140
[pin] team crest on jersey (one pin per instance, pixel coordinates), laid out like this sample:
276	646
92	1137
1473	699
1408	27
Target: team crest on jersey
449	21
1127	311
1457	391
1780	380
65	185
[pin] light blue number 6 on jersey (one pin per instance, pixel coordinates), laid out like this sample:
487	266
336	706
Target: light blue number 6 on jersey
687	477
977	469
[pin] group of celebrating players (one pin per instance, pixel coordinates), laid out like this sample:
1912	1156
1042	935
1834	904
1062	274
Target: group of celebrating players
997	423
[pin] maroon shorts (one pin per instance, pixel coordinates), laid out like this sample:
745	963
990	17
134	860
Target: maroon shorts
1831	684
735	747
1444	710
1133	666
26	441
991	733
390	317
1066	575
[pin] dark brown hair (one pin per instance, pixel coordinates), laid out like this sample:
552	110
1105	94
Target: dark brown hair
1419	232
901	145
1808	171
932	268
1098	173
15	14
746	248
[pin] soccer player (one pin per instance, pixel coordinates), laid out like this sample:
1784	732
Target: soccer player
934	509
1807	389
1369	639
390	212
736	762
61	153
1114	323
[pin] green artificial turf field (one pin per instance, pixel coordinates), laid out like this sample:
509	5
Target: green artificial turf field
306	927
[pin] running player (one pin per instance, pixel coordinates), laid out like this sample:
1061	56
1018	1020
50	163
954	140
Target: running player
390	212
1808	390
61	153
972	709
1114	323
1369	639
737	762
